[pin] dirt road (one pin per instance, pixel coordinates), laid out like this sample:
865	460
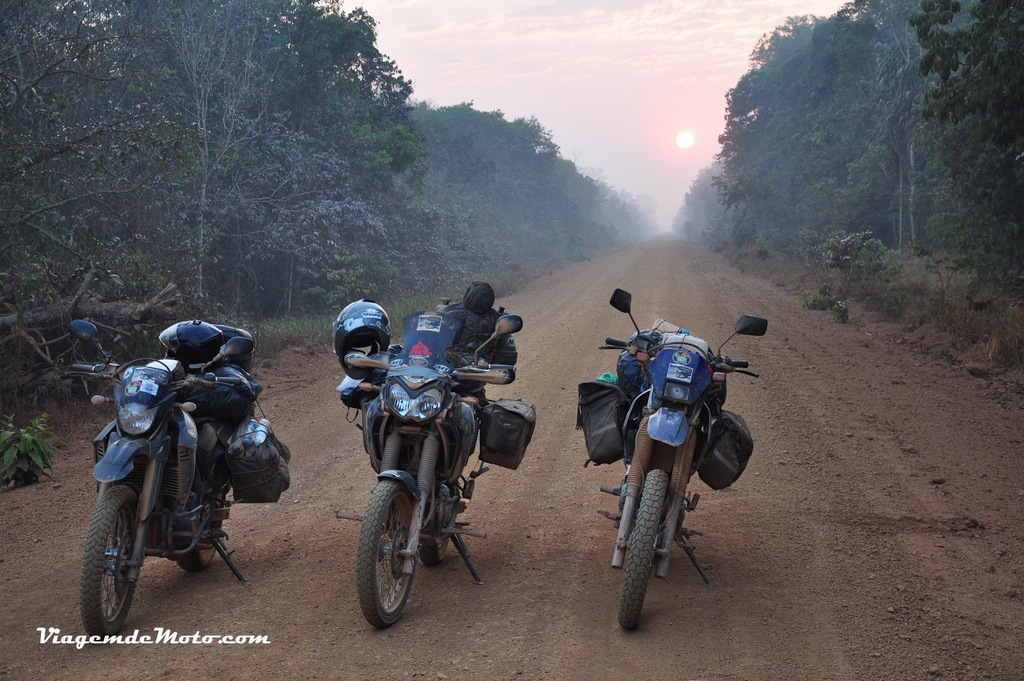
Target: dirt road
876	534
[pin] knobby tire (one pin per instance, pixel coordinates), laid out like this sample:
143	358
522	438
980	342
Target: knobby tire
642	540
105	594
382	587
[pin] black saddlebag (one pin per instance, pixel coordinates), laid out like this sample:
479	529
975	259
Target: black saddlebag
259	472
506	427
599	414
729	450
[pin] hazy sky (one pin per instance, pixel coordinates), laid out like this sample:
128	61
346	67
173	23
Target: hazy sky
614	81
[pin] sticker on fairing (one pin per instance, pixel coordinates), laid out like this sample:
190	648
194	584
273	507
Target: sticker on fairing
681	357
680	373
148	387
132	388
420	350
428	322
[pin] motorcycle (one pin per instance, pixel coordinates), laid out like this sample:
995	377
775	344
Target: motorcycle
419	432
156	494
668	433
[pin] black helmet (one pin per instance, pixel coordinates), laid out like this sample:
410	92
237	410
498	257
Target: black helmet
362	325
191	343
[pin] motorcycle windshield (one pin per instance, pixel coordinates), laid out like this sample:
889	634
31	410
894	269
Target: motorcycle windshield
143	384
425	338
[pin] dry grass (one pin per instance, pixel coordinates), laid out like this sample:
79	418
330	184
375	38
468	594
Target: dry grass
912	292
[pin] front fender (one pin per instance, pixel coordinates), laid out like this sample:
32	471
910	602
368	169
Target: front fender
117	460
668	426
403	477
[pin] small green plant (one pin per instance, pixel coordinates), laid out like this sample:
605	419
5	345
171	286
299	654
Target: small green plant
761	247
25	455
840	312
822	299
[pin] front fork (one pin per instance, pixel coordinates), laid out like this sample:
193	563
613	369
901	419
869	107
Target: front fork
147	497
425	483
641	463
677	489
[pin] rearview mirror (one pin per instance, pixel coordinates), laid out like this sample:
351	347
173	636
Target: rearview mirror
361	360
510	323
621	300
239	345
506	324
84	330
749	325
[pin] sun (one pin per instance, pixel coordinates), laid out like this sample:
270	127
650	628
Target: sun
684	139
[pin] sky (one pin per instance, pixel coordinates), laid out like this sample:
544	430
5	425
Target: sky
613	81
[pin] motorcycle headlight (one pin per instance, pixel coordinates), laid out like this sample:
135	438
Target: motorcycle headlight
423	407
677	392
134	418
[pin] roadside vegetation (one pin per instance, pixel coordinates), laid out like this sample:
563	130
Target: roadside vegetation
253	162
878	152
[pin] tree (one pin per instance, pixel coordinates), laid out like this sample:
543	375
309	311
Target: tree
979	63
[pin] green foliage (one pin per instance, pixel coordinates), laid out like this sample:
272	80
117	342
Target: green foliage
761	248
825	135
25	455
840	312
822	299
859	255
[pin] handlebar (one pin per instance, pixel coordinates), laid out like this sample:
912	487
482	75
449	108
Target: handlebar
613	344
208	379
88	368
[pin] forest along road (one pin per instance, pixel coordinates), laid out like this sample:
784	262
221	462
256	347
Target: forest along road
876	533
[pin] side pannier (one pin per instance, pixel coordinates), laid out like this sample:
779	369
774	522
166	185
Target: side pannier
599	414
729	450
259	472
506	427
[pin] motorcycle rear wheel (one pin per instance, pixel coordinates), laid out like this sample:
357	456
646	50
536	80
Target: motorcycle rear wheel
105	593
641	548
380	583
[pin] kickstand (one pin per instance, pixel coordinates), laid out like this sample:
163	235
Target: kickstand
693	558
461	546
227	558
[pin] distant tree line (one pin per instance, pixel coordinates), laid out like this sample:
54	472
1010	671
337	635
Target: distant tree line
897	118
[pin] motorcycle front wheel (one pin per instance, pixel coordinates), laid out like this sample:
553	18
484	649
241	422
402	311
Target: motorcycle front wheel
641	548
105	593
382	587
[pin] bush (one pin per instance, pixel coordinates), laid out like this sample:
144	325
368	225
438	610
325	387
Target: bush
25	455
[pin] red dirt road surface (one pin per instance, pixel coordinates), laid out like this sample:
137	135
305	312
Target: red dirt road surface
876	534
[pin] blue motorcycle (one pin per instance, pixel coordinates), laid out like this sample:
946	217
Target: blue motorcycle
155	493
420	426
672	427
